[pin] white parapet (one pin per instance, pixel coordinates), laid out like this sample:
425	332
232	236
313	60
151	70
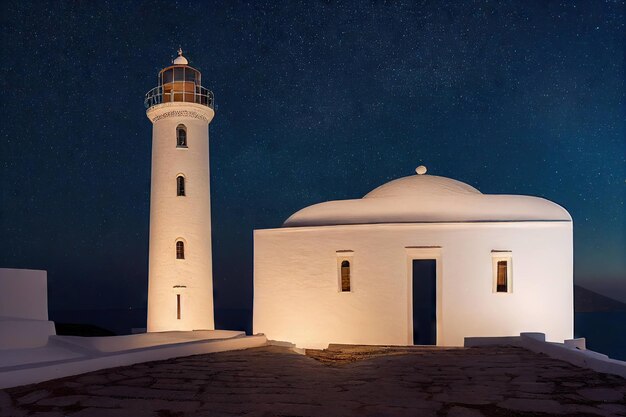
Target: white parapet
69	355
24	309
572	351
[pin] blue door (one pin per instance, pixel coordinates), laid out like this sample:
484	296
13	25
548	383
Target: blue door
424	302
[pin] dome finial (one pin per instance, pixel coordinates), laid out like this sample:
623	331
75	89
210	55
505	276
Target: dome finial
180	59
421	170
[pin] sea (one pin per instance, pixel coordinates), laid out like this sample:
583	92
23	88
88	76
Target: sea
605	332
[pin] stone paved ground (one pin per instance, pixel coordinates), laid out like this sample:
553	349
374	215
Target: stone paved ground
358	381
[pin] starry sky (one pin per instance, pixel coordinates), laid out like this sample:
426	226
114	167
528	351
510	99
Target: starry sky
315	101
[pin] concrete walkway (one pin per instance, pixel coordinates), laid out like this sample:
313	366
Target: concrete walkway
68	355
274	381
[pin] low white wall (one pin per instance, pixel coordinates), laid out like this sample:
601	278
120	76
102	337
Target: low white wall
144	340
24	309
88	360
571	351
23	294
17	334
297	297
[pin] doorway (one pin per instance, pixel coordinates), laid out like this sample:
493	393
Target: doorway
424	302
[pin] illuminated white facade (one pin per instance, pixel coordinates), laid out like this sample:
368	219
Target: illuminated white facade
180	289
24	320
420	260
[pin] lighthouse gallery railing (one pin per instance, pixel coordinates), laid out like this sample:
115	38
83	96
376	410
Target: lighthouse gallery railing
185	92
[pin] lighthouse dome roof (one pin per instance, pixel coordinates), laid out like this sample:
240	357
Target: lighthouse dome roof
428	199
180	59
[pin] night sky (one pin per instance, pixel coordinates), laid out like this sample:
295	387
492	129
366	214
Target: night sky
315	101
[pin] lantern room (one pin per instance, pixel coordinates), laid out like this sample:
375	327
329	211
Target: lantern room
179	83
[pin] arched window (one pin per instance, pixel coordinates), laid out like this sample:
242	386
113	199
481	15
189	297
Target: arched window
345	276
180	186
180	250
181	136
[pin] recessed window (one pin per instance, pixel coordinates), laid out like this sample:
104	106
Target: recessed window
181	136
177	306
180	249
344	270
180	186
501	279
345	276
502	271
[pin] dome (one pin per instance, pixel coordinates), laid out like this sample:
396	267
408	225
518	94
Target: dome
428	199
421	185
180	59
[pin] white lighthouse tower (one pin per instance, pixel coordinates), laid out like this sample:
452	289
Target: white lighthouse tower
180	287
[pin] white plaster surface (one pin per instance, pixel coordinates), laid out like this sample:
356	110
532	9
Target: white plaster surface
68	355
23	294
21	333
24	309
297	296
175	217
428	198
138	341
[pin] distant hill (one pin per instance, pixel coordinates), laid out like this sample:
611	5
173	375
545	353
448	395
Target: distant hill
586	301
85	330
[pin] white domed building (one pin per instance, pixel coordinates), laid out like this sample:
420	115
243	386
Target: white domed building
422	260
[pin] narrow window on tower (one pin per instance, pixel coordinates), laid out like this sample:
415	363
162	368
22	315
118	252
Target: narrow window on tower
180	249
181	136
177	306
502	271
180	186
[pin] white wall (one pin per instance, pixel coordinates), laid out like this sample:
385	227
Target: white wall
297	299
24	294
24	309
173	217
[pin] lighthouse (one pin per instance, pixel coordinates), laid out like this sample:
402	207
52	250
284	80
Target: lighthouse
180	277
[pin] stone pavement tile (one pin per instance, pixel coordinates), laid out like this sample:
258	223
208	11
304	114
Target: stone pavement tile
114	376
524	378
392	411
140	392
62	401
100	402
33	396
573	384
6	406
619	409
601	394
233	405
526	404
307	410
457	411
535	387
158	405
583	409
5	400
470	394
111	412
181	386
93	378
143	381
